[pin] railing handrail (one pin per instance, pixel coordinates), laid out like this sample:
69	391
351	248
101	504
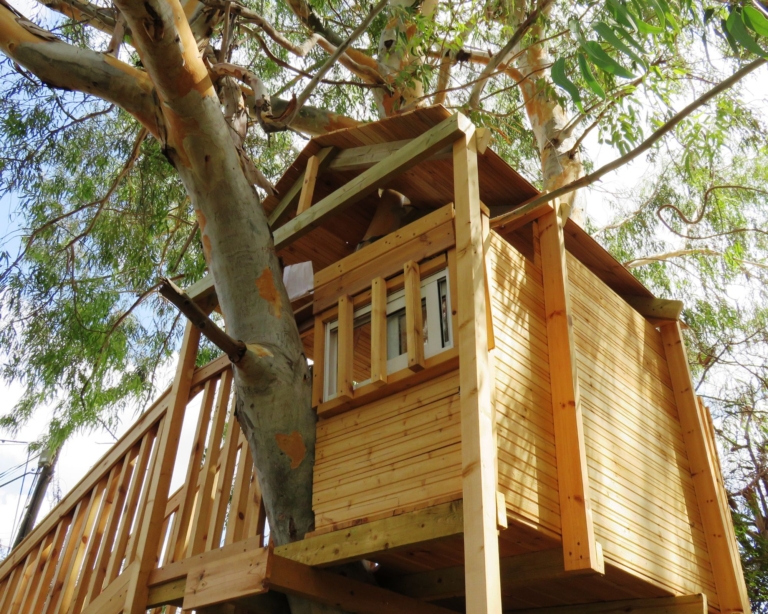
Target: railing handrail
140	427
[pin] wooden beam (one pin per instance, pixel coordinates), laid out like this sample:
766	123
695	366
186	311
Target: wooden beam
292	578
414	320
308	185
578	534
360	158
478	441
418	150
292	195
379	331
377	537
715	514
686	604
113	598
345	349
242	575
655	307
516	572
519	217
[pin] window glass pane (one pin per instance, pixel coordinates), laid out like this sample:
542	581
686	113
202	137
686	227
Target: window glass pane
332	363
397	343
442	290
361	338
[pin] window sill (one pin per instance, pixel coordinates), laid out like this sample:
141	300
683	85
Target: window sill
400	380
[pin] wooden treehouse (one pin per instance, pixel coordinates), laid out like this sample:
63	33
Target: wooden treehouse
506	420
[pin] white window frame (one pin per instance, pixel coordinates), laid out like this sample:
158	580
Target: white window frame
433	345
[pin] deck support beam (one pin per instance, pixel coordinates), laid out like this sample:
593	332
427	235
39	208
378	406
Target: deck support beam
580	552
715	515
480	478
684	604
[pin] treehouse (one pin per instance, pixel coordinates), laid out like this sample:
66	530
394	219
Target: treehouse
506	420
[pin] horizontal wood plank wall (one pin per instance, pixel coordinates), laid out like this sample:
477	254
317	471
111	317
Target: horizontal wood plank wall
527	466
645	511
397	454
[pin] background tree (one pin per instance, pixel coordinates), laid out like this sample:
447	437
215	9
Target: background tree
137	137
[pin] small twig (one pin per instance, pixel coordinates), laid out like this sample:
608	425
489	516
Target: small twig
225	33
231	347
184	249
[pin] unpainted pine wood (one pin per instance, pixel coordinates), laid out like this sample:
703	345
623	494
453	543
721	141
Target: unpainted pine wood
9	588
26	570
579	547
315	584
481	546
715	515
110	531
37	600
94	543
161	472
137	479
685	604
414	323
255	515
419	149
203	510
180	539
240	575
308	184
44	553
113	599
324	156
379	331
224	483
345	348
240	501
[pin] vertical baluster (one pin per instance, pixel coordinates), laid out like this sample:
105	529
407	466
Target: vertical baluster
224	483
9	588
379	331
40	560
27	567
345	360
180	540
239	503
41	592
253	522
115	513
89	560
202	512
134	491
414	320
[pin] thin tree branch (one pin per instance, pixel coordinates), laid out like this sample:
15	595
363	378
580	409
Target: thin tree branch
643	147
231	347
501	56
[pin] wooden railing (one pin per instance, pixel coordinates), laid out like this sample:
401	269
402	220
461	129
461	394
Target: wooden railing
97	546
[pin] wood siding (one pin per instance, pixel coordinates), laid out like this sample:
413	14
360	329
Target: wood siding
645	511
397	454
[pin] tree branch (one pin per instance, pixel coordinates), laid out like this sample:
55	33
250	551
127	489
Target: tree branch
65	66
231	347
501	56
643	147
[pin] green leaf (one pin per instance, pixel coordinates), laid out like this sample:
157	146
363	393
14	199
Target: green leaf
559	77
738	30
586	72
646	28
605	62
604	30
731	41
756	20
671	21
623	16
630	39
658	10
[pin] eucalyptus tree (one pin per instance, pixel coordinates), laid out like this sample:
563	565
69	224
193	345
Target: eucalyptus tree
138	136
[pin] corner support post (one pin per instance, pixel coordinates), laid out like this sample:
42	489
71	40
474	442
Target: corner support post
478	443
580	551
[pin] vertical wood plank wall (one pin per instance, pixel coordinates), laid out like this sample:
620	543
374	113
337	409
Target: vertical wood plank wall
645	511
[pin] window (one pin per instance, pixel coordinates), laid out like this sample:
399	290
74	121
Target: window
436	318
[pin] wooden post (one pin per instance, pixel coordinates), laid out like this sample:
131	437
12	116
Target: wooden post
579	548
414	321
715	516
378	331
478	446
148	532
